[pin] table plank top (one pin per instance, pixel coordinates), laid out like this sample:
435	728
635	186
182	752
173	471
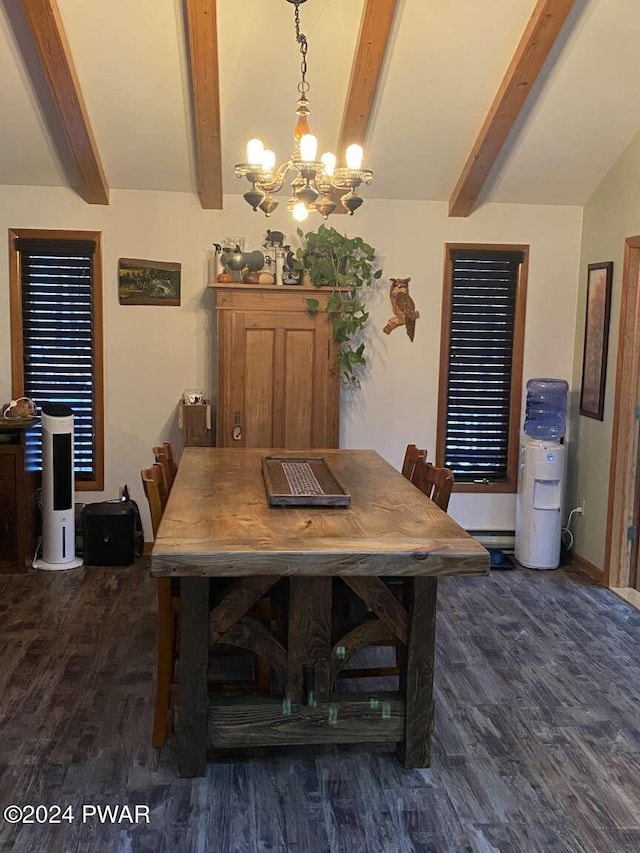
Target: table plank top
218	522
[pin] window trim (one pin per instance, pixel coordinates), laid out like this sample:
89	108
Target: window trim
511	483
17	343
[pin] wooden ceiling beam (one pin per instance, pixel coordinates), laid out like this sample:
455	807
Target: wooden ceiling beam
537	40
51	43
202	32
375	27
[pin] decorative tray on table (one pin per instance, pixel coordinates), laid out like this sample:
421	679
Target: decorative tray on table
302	481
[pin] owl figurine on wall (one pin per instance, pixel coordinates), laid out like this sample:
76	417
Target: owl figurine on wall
404	309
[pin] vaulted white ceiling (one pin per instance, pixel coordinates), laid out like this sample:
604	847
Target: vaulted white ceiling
443	66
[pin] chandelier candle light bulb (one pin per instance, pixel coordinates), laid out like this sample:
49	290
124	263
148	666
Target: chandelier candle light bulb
300	212
255	152
354	156
314	181
328	160
308	148
268	160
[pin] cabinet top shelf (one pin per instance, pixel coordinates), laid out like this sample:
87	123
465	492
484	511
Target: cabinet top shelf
16	424
239	285
276	288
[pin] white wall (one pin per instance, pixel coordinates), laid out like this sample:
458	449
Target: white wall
611	215
399	403
153	353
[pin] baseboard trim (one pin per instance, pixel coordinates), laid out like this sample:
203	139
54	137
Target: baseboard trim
628	594
583	565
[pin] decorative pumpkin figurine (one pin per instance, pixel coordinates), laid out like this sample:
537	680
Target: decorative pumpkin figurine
404	309
225	278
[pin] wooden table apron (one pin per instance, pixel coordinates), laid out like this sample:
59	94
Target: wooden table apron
218	523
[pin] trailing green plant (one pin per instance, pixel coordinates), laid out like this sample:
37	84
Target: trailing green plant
346	265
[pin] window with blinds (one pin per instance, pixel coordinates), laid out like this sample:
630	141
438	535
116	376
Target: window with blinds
60	358
481	365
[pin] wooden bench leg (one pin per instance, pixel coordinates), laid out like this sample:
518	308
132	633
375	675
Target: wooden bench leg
416	674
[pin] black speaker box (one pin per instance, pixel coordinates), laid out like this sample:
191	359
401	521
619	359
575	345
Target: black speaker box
109	533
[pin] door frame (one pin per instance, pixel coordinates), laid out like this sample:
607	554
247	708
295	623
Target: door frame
622	500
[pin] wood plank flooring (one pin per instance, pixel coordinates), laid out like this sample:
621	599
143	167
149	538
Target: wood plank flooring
536	739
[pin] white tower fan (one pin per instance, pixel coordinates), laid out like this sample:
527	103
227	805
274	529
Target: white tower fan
539	503
58	513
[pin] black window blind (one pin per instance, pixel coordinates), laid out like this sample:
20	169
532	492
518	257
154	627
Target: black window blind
481	338
58	341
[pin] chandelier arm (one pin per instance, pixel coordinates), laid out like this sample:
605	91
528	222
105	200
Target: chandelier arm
345	179
274	185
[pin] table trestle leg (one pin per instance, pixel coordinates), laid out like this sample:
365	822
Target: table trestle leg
309	639
192	687
416	671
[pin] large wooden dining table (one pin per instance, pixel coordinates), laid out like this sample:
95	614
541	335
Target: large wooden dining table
218	524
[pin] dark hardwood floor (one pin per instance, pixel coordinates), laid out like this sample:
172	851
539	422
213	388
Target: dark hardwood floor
536	745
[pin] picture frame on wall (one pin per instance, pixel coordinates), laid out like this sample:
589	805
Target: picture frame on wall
143	282
596	340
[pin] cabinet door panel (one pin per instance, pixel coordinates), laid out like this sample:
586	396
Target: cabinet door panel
298	389
258	391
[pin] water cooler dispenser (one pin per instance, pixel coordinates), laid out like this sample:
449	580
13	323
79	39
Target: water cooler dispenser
541	475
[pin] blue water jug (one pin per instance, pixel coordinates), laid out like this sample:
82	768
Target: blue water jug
546	413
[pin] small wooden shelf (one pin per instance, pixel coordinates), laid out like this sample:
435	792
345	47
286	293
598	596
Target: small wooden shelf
194	420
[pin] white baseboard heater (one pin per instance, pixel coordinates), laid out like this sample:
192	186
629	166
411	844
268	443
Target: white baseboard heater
502	539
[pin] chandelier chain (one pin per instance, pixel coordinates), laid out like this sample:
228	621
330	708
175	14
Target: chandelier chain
303	86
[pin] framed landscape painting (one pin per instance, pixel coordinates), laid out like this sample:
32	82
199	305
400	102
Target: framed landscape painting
596	339
148	282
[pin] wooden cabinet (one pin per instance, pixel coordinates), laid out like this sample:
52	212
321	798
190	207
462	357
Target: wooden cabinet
278	385
17	501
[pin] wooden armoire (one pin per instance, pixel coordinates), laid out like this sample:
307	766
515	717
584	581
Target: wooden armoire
277	384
